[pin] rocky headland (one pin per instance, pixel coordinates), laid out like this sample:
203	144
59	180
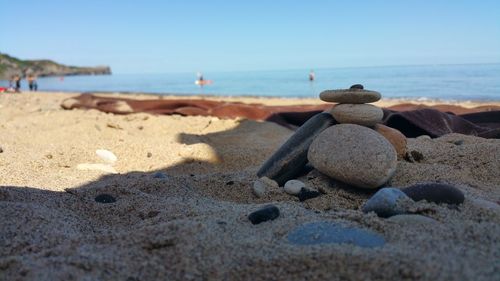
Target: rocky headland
10	66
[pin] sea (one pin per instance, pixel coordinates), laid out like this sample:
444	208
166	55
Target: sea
471	82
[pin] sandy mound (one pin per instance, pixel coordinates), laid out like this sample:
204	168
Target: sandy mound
191	223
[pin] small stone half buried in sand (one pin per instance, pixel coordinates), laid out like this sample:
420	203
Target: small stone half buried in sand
325	232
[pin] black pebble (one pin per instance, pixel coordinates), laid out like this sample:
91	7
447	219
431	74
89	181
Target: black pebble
230	183
105	198
269	212
306	194
357	86
435	192
417	156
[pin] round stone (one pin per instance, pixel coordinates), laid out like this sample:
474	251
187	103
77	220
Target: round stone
361	114
388	202
293	187
354	95
395	137
353	154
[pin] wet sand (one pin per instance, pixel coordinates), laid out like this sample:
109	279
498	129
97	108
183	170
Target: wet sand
192	223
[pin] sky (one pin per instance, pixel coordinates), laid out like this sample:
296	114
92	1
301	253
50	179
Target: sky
186	36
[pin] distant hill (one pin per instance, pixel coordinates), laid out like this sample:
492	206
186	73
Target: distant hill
13	66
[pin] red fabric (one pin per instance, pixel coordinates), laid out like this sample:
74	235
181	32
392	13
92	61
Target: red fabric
412	120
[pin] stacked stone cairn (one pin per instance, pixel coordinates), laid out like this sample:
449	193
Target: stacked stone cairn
348	143
353	151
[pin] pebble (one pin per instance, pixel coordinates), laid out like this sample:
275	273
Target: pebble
435	192
325	232
388	202
361	114
354	154
160	175
106	155
262	185
294	187
485	204
291	158
353	95
1	149
412	219
357	86
269	212
306	194
105	198
395	137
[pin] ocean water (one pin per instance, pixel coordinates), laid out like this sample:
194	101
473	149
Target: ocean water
480	82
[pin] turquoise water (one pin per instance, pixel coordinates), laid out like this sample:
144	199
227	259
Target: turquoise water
440	82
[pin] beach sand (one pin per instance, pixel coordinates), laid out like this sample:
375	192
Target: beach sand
192	224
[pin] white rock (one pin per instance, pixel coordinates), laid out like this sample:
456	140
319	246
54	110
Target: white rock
106	155
263	185
97	167
293	187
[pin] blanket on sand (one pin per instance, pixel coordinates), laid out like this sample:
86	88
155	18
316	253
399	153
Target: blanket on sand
412	120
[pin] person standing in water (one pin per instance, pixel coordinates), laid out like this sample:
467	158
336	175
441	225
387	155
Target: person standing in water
312	76
32	82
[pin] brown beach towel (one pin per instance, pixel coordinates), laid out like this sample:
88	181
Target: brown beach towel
411	120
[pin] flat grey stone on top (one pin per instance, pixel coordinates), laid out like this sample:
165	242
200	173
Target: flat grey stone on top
350	96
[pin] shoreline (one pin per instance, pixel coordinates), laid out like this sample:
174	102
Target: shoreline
267	100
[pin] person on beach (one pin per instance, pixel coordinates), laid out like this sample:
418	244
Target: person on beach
32	83
11	83
312	76
17	80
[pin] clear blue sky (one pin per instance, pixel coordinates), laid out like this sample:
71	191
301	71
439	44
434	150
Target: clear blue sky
181	36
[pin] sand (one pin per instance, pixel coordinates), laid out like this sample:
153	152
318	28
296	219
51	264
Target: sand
192	225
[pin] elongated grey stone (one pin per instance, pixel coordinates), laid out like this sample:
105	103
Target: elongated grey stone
435	192
289	160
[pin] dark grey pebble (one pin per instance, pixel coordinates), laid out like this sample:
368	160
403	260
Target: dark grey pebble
435	192
334	233
269	212
289	160
105	198
357	86
387	202
305	194
160	175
